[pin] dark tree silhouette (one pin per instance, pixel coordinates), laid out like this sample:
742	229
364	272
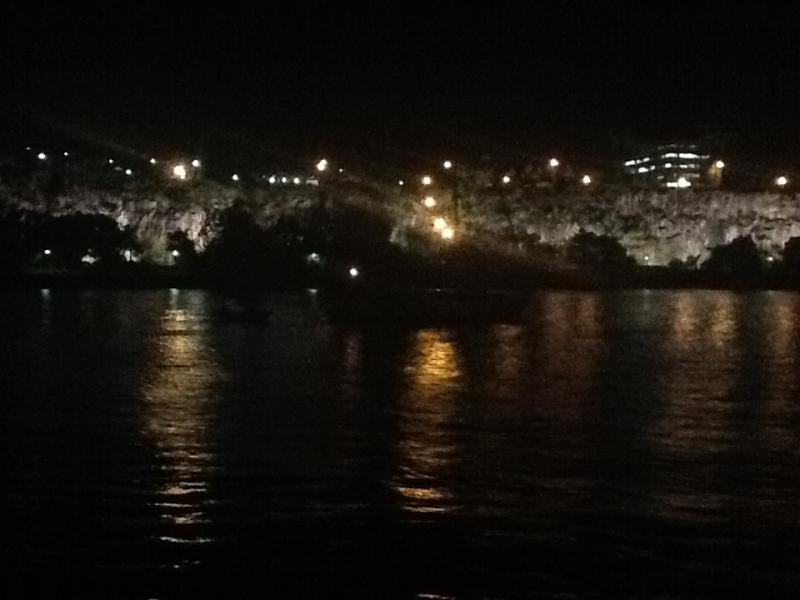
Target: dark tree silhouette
739	260
791	257
588	249
73	236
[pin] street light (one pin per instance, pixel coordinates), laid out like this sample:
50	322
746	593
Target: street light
429	201
196	163
322	165
447	164
781	181
427	180
715	172
586	180
153	161
179	171
439	224
353	272
41	156
448	233
506	179
128	172
554	163
235	177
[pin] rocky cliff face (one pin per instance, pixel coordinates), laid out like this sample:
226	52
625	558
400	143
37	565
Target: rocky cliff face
655	227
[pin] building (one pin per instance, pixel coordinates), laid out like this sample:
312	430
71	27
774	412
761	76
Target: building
669	166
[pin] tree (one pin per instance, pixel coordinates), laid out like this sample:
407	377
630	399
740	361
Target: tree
16	241
186	254
791	257
740	260
588	249
71	237
239	250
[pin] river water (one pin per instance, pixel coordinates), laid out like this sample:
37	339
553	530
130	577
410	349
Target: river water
640	444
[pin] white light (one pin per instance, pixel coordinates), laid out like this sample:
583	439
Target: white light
313	258
401	182
642	170
630	163
322	165
88	259
667	165
152	161
111	161
770	258
688	155
179	172
586	180
66	154
341	170
439	224
781	181
296	181
506	179
47	252
719	164
646	258
554	162
426	180
175	253
448	233
670	155
272	179
28	148
41	156
196	163
683	182
429	201
447	164
235	177
353	272
128	172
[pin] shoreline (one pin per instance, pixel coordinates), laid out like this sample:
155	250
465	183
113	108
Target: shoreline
158	278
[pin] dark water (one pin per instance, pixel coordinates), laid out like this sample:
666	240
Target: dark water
626	445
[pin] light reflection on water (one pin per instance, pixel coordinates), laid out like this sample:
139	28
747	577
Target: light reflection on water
178	399
616	444
425	445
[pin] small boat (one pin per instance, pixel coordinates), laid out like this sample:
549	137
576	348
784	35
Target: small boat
424	306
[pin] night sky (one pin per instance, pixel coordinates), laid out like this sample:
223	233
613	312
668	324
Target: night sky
401	79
